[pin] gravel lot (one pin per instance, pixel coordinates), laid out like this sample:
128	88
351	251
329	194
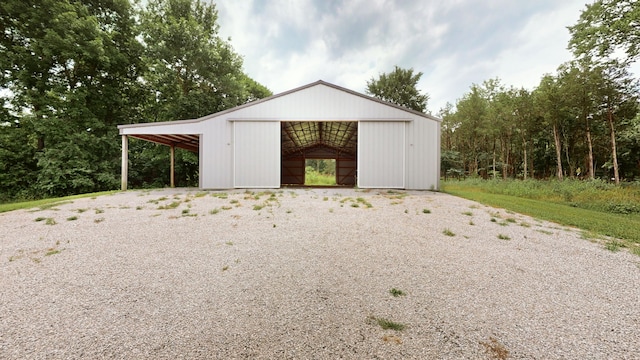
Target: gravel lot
307	274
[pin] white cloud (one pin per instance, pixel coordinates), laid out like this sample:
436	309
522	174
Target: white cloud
286	44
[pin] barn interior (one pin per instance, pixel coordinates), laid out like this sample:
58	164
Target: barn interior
302	140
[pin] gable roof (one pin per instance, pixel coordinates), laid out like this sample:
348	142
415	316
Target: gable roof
272	97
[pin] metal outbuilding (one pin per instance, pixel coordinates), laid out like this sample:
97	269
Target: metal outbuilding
264	144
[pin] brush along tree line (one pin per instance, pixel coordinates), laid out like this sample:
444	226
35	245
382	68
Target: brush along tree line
72	70
581	121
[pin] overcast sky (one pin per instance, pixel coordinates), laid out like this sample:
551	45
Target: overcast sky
455	43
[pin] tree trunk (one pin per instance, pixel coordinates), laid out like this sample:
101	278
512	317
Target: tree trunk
524	148
590	170
493	172
616	174
556	139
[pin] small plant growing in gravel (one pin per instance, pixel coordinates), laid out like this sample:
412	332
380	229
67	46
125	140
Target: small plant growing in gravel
258	207
355	205
99	211
396	292
234	201
468	213
229	243
139	207
503	237
226	208
546	232
40	219
99	220
52	251
471	223
220	195
50	221
72	218
448	232
185	211
426	211
225	268
214	211
173	205
511	220
525	224
494	220
386	324
80	211
613	246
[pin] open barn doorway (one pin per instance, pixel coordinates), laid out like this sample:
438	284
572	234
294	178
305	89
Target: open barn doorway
303	142
320	172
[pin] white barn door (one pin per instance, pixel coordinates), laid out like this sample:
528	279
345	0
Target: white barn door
256	154
381	154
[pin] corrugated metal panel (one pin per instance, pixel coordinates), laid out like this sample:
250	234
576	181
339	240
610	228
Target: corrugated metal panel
423	155
320	103
256	154
381	154
216	154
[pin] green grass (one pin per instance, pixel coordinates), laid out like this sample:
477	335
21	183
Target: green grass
448	232
387	324
548	205
43	204
172	205
426	211
315	178
396	292
503	237
72	218
52	252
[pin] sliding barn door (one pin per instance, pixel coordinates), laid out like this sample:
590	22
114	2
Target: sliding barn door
381	154
256	150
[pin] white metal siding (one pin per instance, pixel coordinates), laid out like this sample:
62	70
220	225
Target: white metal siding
423	154
381	154
320	103
256	154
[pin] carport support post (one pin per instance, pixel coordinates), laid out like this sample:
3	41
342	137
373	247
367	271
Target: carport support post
173	165
125	161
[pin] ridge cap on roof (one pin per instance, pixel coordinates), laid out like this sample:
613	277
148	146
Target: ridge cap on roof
303	87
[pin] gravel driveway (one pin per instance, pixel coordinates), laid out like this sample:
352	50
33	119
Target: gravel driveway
307	274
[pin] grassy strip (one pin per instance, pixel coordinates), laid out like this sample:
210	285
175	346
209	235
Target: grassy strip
52	201
316	178
626	227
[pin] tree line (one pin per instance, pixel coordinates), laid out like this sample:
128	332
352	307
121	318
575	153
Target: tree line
581	121
74	69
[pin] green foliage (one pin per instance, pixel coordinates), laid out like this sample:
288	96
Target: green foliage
399	87
396	292
545	200
386	324
312	177
448	232
606	26
77	69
